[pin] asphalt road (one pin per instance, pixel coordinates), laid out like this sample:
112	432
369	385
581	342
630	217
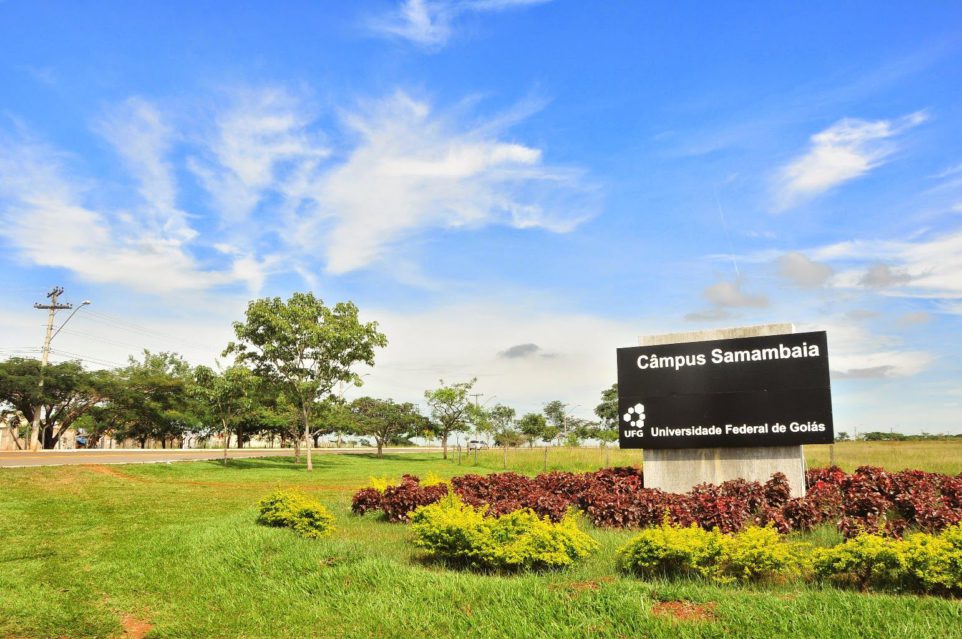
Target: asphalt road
17	458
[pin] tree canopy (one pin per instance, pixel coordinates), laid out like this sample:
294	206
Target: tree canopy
305	346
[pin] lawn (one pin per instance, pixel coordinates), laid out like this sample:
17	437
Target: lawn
173	551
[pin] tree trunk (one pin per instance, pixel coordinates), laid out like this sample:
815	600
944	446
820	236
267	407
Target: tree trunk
444	445
226	439
297	450
380	448
307	442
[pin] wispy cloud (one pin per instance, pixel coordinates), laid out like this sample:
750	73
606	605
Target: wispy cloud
723	296
929	266
848	149
45	217
430	23
281	195
803	271
413	169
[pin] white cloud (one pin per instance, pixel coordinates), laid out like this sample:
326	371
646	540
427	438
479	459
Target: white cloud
430	23
730	294
803	271
854	353
44	216
914	318
283	198
260	140
846	150
929	266
139	134
412	170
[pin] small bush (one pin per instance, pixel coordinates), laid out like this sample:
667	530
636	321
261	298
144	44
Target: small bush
751	555
290	509
922	562
756	554
672	550
864	561
453	530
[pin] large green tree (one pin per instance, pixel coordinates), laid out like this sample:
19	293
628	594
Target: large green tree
607	412
532	426
68	392
230	397
556	412
451	408
306	347
384	420
151	399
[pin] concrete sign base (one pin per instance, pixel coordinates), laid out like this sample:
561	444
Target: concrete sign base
678	470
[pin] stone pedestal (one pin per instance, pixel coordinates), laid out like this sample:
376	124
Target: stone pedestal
678	470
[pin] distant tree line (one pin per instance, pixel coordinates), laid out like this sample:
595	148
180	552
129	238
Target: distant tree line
880	436
288	358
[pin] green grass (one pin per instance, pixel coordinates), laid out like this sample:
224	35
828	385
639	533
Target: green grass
176	546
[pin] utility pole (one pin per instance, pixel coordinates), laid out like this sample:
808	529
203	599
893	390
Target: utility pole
476	396
51	309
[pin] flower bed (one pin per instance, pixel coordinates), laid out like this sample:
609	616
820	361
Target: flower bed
868	500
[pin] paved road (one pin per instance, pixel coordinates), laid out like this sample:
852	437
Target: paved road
16	458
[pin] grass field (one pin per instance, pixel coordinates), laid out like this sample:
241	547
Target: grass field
173	551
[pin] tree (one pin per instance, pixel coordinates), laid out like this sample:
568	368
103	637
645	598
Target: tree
306	347
151	399
841	436
556	413
231	397
501	420
607	412
532	427
68	392
384	420
451	408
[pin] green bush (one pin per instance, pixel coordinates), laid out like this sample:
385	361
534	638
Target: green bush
756	554
672	550
865	561
750	555
452	530
290	509
921	562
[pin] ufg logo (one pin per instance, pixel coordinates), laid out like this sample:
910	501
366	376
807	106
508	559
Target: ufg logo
635	415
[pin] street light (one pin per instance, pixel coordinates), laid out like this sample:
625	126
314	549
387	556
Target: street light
69	317
53	307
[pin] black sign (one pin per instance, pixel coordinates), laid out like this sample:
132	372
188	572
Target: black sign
751	391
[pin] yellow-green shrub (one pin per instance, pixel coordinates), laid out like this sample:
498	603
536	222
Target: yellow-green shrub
431	479
669	549
921	562
380	484
455	531
865	560
291	509
757	553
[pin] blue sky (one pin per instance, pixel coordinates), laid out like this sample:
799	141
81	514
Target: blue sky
513	188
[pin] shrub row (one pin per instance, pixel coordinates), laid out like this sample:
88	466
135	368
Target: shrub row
868	500
457	532
750	555
290	509
922	562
